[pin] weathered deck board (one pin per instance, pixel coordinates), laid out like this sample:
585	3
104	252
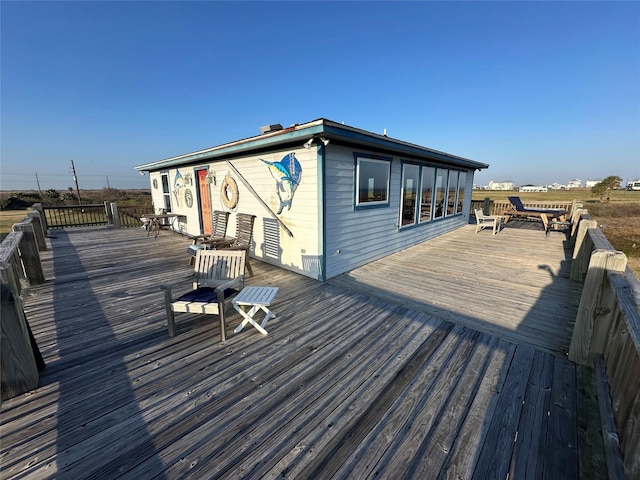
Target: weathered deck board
514	284
346	385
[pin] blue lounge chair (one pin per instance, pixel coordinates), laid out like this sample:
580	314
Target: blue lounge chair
517	209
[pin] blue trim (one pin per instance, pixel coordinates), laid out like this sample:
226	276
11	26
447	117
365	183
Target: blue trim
327	128
323	219
356	189
390	144
234	148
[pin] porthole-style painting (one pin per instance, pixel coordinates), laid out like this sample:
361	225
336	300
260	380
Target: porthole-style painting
188	197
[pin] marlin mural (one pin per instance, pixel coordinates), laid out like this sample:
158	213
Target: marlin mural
287	173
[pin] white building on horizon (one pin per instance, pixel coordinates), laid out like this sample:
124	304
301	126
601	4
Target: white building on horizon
533	188
501	185
575	183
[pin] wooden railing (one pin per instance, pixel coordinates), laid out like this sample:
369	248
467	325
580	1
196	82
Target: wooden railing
496	207
97	214
607	335
20	266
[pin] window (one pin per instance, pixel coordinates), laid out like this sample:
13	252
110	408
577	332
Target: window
451	195
462	180
410	177
372	182
166	192
440	192
426	194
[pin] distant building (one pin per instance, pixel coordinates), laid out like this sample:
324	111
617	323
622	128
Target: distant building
556	186
575	183
501	185
634	185
591	183
533	188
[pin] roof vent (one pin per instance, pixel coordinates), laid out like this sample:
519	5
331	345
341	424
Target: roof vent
271	128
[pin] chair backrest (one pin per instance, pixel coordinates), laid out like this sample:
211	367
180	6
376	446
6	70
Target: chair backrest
220	220
213	267
244	231
479	213
517	204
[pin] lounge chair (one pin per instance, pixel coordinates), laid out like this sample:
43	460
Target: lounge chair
517	209
218	277
483	221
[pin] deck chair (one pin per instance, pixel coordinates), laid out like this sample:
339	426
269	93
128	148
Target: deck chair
517	209
244	235
217	278
483	221
219	231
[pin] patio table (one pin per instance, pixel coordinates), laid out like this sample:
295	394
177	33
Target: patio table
258	298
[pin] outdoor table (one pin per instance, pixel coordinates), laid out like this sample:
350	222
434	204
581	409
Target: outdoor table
259	298
155	221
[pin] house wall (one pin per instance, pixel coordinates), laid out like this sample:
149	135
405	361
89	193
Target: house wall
352	237
300	253
356	237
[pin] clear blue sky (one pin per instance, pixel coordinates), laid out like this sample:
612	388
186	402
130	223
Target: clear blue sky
542	91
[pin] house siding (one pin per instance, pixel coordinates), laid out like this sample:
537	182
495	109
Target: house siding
356	237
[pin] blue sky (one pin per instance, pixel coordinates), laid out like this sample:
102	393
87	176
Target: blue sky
542	91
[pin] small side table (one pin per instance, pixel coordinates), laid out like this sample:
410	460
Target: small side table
259	298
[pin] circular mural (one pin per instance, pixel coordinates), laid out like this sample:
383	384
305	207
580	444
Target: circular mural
188	198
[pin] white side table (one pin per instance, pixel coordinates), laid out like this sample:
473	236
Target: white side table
258	298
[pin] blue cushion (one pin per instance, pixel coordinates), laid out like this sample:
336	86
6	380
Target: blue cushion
205	294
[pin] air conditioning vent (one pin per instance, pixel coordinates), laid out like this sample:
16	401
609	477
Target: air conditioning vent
271	128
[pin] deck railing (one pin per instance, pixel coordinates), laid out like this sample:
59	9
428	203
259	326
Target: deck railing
607	335
496	207
96	214
20	265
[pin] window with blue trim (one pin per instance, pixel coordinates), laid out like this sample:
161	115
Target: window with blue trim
429	193
372	181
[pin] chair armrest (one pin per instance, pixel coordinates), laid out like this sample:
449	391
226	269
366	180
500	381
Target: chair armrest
236	282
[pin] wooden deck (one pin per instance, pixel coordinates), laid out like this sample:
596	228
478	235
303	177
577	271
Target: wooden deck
346	385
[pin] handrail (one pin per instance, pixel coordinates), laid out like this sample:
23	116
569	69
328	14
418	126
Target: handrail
607	329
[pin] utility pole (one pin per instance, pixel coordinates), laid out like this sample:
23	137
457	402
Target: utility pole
38	182
75	178
108	186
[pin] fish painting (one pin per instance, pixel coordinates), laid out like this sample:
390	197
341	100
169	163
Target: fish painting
287	173
178	183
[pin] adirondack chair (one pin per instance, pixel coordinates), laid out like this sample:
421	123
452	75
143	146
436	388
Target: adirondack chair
517	209
218	277
218	234
244	235
483	221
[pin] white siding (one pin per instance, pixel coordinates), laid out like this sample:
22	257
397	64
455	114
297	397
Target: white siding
356	237
271	243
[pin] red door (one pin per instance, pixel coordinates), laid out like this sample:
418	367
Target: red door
205	203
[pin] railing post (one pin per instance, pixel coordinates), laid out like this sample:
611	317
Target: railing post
18	369
108	212
591	303
115	217
38	231
486	207
582	249
43	218
29	253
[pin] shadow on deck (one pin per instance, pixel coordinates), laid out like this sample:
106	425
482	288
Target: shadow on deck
346	384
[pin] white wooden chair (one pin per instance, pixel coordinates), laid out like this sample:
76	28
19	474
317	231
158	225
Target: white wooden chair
484	221
217	279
